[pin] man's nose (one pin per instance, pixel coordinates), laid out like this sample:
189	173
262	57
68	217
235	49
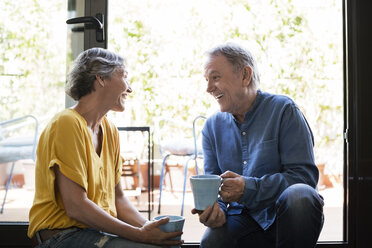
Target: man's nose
210	87
129	89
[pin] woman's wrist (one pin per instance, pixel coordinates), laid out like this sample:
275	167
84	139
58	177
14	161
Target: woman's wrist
132	233
146	222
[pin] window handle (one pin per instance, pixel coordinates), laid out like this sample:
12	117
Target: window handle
91	22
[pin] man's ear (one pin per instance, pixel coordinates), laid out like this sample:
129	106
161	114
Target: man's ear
247	75
100	81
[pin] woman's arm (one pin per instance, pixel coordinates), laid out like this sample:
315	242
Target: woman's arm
125	210
79	207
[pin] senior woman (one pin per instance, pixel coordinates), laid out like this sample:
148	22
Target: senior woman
79	201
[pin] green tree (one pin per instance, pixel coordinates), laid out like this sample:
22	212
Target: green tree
32	67
299	55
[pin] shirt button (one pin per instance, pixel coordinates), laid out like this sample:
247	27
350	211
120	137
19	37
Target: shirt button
245	162
243	133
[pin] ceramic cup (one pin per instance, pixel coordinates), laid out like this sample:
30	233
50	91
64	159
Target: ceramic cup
175	224
205	190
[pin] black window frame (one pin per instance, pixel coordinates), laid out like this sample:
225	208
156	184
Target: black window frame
357	50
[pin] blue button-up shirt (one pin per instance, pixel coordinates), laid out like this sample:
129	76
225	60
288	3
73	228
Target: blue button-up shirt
272	149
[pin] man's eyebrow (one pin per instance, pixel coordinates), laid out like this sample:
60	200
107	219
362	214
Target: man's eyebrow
211	73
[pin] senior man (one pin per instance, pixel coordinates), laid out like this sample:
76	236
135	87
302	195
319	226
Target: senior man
262	146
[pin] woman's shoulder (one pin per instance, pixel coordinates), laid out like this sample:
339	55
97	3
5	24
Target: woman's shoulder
62	124
67	118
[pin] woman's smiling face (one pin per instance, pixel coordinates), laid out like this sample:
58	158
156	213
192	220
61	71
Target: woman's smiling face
119	88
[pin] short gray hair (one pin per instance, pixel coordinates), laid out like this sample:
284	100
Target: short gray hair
238	57
89	64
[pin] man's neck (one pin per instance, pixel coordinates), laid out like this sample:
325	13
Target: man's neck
246	105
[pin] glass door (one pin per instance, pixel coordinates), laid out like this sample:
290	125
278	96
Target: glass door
87	28
34	59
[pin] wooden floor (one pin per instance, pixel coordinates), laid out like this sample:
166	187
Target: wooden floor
19	201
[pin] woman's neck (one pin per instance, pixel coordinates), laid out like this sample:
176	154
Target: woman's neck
90	111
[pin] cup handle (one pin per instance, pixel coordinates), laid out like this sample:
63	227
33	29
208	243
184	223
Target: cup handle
222	180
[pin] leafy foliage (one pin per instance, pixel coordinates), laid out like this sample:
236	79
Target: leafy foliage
32	67
298	49
298	46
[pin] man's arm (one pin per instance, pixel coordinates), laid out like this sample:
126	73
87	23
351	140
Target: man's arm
295	145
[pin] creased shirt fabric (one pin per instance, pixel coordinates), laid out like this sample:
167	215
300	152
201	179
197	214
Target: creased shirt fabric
66	141
272	149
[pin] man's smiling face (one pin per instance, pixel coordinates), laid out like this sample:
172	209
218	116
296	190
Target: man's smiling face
224	84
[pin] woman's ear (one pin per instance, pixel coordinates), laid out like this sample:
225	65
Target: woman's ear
100	81
247	75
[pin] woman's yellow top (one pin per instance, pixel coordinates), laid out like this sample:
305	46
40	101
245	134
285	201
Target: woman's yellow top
67	142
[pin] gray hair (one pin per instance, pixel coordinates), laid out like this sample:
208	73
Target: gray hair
89	64
238	57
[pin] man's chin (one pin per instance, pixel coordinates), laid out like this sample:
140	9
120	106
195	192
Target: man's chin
222	109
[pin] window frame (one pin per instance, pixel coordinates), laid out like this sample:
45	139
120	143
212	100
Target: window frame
357	165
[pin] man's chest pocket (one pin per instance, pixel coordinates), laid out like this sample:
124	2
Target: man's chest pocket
265	158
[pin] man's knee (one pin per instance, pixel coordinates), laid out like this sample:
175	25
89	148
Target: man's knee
299	198
215	237
299	216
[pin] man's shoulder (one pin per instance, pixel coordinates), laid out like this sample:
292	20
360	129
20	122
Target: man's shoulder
276	99
219	116
218	121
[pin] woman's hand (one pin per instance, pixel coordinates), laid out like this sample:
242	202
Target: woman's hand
150	233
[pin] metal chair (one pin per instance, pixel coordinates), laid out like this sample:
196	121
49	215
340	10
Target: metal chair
15	146
198	153
180	141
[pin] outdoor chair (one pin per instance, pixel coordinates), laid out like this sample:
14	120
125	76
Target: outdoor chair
176	139
197	153
16	145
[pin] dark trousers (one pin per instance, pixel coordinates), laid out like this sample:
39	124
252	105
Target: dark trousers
298	223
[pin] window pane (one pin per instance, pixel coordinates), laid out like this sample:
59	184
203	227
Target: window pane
32	79
298	45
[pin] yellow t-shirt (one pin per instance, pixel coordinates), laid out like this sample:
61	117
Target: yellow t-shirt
67	142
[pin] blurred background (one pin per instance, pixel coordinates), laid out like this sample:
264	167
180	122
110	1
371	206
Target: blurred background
297	44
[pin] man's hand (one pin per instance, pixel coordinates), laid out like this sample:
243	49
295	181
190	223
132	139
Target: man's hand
232	188
212	217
